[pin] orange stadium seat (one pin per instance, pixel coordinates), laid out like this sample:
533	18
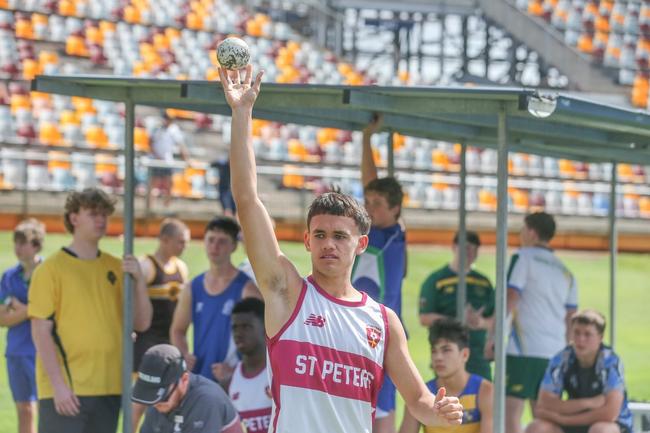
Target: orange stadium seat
49	134
31	68
141	139
96	137
24	29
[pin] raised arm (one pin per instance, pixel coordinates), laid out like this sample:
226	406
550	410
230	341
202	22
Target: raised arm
368	167
428	409
277	278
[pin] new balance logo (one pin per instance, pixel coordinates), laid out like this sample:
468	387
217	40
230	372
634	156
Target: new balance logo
315	320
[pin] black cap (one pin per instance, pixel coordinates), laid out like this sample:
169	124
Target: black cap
161	367
471	236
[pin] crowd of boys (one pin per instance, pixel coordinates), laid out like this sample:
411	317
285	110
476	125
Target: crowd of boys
64	315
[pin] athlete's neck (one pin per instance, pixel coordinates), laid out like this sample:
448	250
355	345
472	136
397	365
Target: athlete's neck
29	265
338	286
162	257
84	249
255	362
455	383
588	360
222	271
454	266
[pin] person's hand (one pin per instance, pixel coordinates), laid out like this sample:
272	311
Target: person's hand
240	94
474	318
549	416
488	350
375	124
131	265
222	371
450	411
190	360
18	306
65	402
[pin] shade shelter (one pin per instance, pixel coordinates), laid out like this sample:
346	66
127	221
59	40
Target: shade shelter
521	120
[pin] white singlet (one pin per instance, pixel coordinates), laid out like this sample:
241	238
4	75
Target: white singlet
251	396
327	364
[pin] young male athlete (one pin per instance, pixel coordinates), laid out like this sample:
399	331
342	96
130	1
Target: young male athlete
166	274
328	344
75	305
208	302
542	297
591	375
249	387
438	300
449	354
379	271
20	352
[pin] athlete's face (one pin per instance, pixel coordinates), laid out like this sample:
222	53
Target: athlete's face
175	244
219	246
89	224
447	358
25	251
247	332
381	214
471	253
586	340
334	241
527	236
174	399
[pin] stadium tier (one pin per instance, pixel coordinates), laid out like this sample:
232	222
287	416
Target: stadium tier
61	143
616	34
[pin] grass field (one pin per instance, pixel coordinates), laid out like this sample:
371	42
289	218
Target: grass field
591	270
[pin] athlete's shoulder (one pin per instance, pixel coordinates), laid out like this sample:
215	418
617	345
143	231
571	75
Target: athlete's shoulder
110	259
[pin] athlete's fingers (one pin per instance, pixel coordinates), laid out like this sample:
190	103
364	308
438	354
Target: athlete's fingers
440	394
222	77
248	74
451	408
258	81
237	77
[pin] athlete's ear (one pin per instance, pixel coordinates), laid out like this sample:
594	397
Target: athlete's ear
362	245
306	240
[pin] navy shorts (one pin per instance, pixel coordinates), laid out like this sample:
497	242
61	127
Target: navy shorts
386	398
22	377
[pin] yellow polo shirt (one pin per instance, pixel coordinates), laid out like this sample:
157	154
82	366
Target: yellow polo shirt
84	300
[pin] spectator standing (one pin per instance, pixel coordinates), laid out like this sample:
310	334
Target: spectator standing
208	301
75	304
542	297
438	300
20	352
379	271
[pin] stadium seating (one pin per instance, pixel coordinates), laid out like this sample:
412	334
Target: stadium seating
178	38
615	33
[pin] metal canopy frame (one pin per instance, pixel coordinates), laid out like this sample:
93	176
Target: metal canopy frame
500	118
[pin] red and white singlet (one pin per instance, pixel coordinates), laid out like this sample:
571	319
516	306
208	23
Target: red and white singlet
251	396
327	364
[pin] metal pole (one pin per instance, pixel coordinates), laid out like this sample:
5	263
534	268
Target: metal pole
613	255
390	155
502	241
25	193
127	300
461	293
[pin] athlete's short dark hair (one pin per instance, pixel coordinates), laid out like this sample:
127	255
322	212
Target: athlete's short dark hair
451	330
339	204
542	223
389	188
224	224
471	236
250	305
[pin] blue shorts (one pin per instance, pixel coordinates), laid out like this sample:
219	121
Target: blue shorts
22	377
386	398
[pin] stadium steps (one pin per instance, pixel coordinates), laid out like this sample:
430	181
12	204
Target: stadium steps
583	74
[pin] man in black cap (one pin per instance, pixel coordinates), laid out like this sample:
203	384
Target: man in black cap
438	300
178	400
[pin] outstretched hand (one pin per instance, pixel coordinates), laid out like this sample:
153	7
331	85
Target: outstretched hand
450	411
240	93
375	124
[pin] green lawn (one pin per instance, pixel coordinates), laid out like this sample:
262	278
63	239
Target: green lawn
590	269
